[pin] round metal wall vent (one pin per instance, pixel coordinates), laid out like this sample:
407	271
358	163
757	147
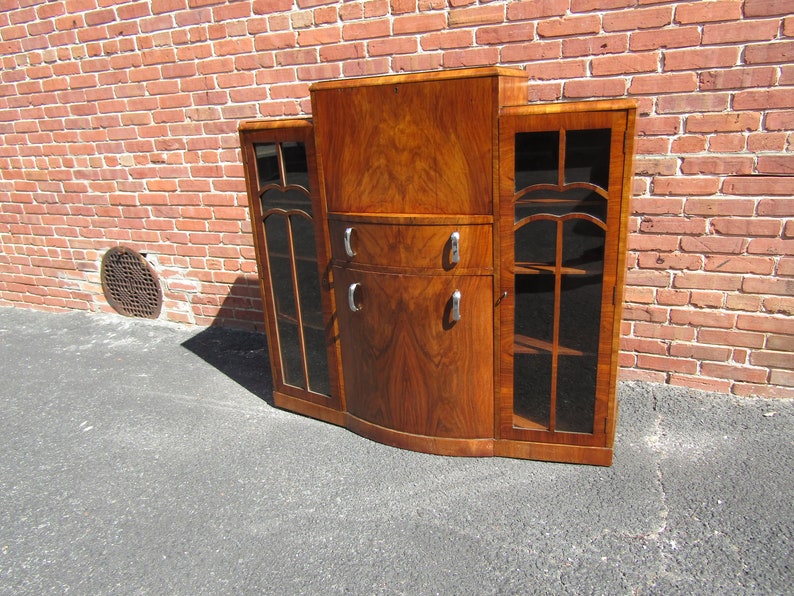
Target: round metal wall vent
130	284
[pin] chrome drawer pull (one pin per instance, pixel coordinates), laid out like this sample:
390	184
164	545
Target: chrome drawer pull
348	246
456	305
454	247
351	297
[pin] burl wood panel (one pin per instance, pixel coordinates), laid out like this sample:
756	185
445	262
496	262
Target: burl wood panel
426	247
407	365
407	147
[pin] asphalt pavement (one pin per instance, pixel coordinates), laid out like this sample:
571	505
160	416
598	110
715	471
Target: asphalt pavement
140	457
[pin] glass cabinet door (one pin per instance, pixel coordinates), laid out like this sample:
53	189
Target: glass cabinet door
562	229
287	228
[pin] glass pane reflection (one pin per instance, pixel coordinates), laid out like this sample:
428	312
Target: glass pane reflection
282	172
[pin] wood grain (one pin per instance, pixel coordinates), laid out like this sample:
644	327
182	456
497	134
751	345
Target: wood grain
407	365
415	247
407	147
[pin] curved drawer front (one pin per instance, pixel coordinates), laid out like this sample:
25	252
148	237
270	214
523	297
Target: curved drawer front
436	248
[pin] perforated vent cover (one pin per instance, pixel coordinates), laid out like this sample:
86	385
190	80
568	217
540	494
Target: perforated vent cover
130	284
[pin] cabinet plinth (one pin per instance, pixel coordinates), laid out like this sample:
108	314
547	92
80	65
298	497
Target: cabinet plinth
442	266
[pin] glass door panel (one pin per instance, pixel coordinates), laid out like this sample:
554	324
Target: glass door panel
293	265
292	268
560	192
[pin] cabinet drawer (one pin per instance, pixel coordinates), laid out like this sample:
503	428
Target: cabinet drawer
437	247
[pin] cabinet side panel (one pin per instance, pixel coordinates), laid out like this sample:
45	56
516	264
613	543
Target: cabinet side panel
407	148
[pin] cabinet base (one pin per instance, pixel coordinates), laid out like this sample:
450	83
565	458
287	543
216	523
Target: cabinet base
484	447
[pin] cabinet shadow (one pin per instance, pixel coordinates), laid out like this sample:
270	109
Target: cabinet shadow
239	353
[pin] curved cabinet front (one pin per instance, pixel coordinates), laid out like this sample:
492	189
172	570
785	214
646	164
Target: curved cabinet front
417	354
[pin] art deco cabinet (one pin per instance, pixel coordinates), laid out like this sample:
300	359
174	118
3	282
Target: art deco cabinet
442	265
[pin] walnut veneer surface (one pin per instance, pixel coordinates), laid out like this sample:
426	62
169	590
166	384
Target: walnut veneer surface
412	199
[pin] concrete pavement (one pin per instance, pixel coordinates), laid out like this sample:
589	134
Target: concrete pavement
144	458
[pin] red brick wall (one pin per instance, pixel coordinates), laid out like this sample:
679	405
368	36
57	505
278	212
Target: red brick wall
118	120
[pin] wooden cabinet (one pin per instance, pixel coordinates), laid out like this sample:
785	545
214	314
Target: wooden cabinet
468	254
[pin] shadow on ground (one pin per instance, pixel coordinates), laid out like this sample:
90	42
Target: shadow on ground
239	354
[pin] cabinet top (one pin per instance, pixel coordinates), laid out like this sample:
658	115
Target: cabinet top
417	77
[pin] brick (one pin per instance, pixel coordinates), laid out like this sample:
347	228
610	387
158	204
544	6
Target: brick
766	141
727	143
759	186
669	261
730	337
700	58
319	36
447	39
667	364
422	23
275	41
740	32
652	166
665	83
775	164
678	37
477	16
728	122
779	120
779	305
734	372
706	281
755	227
625	64
666	297
564	69
595	46
674	225
713	244
706	299
730	165
646	313
538	9
392	46
765	8
701	383
569	26
403	6
661	125
650	242
359	68
532	52
688	144
743	302
765	324
763	99
772	53
766	391
506	33
689	103
701	352
685	186
766	286
658	206
783	343
706	12
592	88
740	264
785	266
638	18
471	57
